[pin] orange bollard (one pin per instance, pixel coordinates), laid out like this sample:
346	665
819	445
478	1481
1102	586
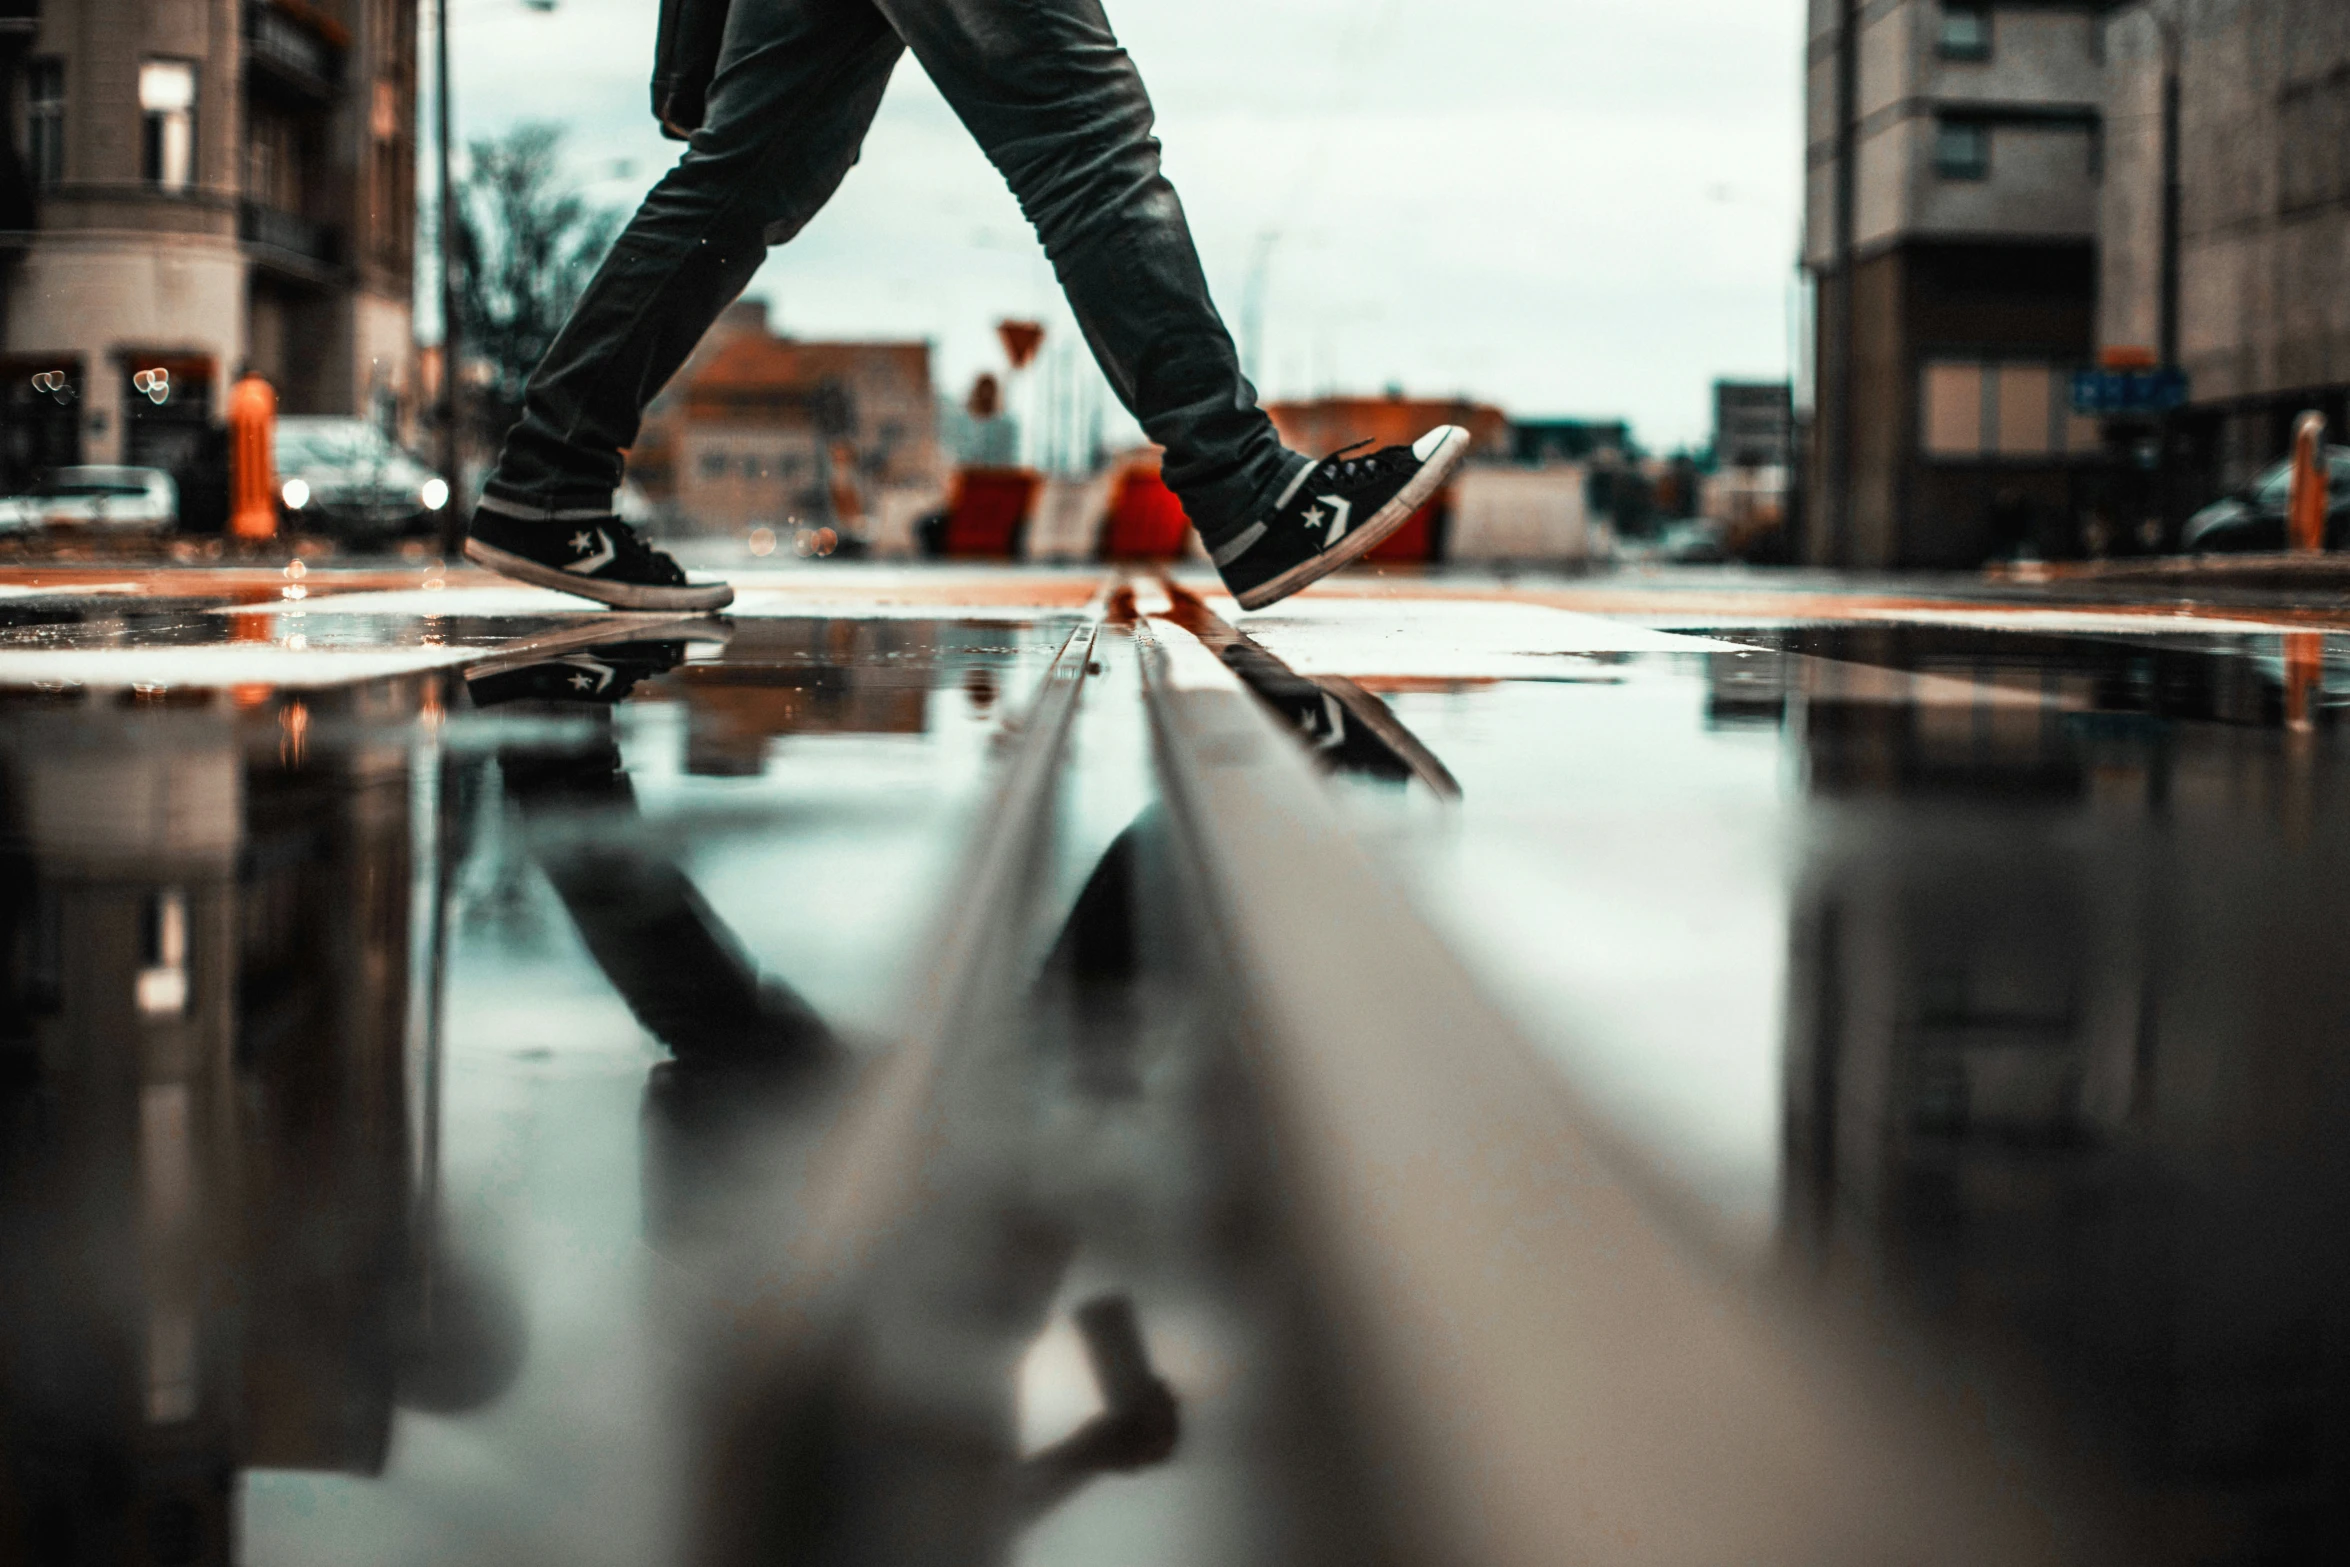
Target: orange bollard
2305	501
252	437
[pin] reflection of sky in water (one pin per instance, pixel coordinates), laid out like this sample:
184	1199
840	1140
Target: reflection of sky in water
2058	953
1616	871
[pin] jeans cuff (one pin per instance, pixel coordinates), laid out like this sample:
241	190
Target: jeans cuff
1282	486
575	506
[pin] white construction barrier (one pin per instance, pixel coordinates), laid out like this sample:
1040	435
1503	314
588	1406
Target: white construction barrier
1520	514
891	529
1067	522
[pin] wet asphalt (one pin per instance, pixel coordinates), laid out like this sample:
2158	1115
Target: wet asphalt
430	1005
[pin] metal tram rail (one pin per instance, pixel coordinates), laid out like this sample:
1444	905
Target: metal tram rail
1534	1363
1548	1369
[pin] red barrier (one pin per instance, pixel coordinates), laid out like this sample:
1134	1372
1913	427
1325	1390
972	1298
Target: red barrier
987	509
1146	521
1415	542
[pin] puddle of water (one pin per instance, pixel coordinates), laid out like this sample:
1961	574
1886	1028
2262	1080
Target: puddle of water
269	1213
1983	982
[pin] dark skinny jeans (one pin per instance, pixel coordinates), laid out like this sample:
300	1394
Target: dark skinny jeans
1058	108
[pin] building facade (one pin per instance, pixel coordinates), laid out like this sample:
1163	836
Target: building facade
1954	153
1753	423
2240	109
191	188
1321	425
757	430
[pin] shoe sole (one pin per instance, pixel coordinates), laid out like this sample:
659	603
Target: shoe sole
539	650
620	595
1370	535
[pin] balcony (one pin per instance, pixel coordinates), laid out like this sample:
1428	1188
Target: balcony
294	243
289	56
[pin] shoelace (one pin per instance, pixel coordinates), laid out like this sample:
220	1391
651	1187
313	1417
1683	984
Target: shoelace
638	557
1349	472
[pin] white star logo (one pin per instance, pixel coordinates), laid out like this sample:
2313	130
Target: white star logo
582	683
594	551
1316	516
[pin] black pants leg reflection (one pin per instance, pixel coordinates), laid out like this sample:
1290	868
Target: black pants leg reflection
645	923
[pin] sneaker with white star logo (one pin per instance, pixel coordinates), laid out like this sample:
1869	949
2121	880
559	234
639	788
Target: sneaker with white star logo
591	553
600	676
1335	511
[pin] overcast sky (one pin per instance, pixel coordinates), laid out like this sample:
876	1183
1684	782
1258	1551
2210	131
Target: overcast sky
1561	206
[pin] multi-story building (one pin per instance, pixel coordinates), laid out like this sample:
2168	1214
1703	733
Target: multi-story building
1753	424
1954	154
2240	274
1540	442
192	188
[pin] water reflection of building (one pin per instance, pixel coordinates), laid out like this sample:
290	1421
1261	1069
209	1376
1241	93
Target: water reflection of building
206	1177
756	428
817	677
120	1401
2063	1074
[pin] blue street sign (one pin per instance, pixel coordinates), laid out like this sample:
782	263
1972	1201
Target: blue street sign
2112	392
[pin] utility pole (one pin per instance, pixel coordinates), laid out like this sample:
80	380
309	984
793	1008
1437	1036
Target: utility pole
452	445
1252	306
1831	500
2168	345
2167	329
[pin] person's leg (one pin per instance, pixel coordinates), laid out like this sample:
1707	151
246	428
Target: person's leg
796	89
1060	110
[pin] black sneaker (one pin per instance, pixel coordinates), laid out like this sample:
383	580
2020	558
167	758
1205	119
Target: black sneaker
594	677
1334	512
594	555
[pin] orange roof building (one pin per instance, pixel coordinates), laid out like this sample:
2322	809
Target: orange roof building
757	430
1323	425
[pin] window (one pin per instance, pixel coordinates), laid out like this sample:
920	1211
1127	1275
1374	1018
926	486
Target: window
391	190
1962	150
1966	31
273	159
1954	410
45	121
2022	401
1972	410
167	100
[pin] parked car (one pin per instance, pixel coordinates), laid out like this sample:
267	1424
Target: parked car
345	478
2254	518
114	500
1692	541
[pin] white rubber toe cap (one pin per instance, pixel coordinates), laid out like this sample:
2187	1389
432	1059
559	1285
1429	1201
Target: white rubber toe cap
1426	446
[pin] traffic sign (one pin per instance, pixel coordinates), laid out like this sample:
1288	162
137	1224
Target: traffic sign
2112	392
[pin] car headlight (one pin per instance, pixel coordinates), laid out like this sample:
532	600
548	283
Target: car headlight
296	493
434	494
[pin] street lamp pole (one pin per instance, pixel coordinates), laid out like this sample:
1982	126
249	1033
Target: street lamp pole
1252	306
452	445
